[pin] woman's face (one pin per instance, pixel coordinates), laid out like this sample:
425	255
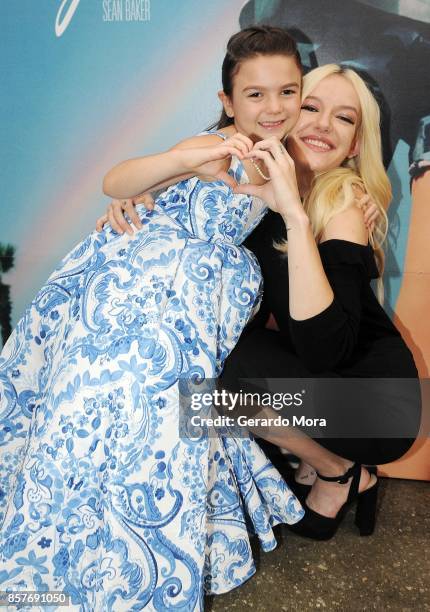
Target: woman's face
266	96
325	134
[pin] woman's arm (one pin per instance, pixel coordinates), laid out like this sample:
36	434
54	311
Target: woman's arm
329	338
323	327
310	290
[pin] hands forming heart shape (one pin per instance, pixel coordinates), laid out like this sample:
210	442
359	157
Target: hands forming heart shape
280	191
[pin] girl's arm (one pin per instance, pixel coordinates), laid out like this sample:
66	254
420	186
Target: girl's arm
205	154
135	176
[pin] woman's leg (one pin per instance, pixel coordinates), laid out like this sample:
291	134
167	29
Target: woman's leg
326	498
261	353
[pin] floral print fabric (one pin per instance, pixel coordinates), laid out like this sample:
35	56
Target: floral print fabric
99	495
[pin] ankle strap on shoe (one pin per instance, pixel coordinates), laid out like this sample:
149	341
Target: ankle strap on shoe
343	479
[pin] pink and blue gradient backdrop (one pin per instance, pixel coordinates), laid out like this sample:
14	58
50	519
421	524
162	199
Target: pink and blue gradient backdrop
75	105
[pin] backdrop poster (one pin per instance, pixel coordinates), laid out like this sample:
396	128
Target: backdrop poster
90	82
87	83
388	42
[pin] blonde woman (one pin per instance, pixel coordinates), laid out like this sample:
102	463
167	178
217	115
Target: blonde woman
330	321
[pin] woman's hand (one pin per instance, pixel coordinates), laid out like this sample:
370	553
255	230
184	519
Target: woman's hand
115	214
213	161
281	193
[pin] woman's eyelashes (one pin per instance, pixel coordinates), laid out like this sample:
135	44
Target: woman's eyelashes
347	119
313	109
309	107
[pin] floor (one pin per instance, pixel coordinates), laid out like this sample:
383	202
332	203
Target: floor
387	571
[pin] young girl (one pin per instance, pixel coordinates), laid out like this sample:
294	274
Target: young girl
102	498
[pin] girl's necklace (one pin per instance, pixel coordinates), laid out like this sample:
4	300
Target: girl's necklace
259	170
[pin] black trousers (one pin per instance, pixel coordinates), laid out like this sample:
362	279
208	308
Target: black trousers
263	353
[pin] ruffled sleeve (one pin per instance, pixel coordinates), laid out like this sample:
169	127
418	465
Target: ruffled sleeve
329	338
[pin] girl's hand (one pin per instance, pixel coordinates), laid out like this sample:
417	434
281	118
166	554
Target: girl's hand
370	211
209	161
213	161
281	193
115	213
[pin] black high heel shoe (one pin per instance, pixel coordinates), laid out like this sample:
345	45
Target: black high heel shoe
300	490
319	527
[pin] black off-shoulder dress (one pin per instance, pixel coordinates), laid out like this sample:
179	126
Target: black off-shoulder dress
352	338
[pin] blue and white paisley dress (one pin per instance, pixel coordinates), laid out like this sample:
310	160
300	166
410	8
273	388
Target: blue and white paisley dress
99	495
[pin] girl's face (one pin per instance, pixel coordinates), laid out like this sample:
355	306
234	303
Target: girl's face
325	134
266	96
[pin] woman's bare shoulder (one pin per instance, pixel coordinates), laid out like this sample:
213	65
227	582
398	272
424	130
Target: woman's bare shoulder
347	225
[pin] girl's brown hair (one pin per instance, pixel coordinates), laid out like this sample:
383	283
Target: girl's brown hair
249	43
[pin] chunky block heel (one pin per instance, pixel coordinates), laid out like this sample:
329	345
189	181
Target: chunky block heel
319	527
365	514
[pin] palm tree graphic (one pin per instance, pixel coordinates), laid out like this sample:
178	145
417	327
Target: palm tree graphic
7	257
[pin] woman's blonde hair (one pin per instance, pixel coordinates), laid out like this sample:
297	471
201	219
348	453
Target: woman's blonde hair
336	190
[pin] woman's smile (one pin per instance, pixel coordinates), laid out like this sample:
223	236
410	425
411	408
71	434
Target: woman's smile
318	144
